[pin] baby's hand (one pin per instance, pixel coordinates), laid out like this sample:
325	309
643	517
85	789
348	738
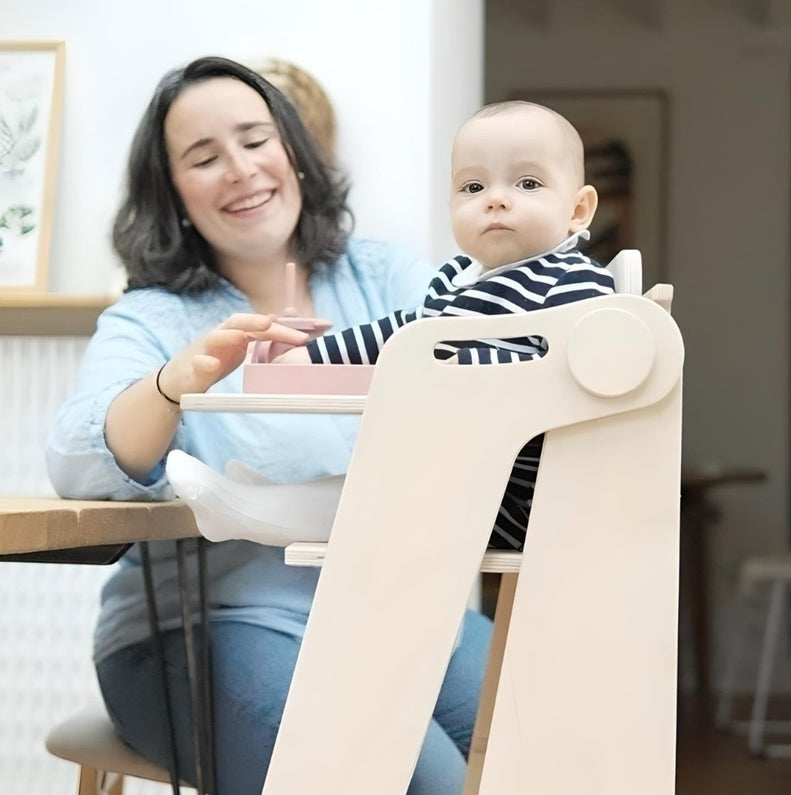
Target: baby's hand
298	355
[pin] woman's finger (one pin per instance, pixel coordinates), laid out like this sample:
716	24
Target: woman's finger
279	333
262	327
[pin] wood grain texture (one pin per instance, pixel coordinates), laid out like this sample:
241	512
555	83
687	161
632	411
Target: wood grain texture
29	524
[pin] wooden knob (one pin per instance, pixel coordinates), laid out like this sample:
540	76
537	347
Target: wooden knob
610	352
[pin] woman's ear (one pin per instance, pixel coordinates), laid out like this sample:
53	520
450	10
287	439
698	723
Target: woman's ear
584	207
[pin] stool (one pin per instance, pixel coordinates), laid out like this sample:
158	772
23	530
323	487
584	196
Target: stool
89	739
776	572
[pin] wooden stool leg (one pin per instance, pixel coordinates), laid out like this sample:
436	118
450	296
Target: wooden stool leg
480	737
89	781
96	782
117	786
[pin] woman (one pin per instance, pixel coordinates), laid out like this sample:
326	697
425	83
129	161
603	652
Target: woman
225	187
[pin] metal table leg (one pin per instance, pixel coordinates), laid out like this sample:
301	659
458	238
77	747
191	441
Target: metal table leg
198	668
159	656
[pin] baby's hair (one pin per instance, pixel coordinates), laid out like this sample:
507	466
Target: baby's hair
576	148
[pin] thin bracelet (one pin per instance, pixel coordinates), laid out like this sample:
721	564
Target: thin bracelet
159	388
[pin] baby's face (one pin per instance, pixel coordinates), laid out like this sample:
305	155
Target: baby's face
513	186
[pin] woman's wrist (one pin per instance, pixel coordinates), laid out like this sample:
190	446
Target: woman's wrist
161	391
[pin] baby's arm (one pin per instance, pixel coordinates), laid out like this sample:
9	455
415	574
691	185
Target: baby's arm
354	345
358	344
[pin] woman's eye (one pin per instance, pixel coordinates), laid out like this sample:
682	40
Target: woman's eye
255	144
205	161
473	187
528	183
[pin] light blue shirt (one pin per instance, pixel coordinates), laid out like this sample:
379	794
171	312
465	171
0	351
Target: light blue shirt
134	337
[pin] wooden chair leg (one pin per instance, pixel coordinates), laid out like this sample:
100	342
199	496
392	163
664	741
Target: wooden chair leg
483	721
117	786
96	782
89	781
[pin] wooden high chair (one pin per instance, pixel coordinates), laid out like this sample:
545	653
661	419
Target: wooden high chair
586	696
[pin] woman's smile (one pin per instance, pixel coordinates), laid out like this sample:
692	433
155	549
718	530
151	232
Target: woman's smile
249	202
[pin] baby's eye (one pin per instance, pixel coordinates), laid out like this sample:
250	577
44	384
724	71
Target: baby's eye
472	187
528	183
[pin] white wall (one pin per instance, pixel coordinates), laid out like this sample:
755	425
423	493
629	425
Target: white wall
389	70
456	70
391	74
728	240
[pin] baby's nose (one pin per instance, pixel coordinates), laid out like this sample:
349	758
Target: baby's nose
498	201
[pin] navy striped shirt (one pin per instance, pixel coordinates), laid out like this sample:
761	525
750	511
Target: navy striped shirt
460	289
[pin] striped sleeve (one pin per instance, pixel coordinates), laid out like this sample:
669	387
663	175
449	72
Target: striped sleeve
358	344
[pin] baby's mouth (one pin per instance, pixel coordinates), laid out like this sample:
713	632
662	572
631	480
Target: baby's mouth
496	225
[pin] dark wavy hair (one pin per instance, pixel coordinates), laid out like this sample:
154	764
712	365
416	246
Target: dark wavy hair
148	235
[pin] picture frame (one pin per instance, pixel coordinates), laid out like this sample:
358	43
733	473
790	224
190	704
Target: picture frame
31	103
626	137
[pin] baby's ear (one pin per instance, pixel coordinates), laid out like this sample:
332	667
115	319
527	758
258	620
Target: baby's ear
584	207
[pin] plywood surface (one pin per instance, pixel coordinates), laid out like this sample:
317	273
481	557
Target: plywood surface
30	524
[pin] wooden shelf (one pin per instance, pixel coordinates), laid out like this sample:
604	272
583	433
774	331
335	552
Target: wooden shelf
50	314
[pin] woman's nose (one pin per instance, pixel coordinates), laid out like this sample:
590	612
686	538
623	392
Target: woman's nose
240	166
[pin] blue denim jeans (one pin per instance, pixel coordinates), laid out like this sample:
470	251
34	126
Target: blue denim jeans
252	668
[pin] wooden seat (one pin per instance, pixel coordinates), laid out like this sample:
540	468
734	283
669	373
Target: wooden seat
89	739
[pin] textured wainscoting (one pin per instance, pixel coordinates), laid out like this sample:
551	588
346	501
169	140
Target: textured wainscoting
47	611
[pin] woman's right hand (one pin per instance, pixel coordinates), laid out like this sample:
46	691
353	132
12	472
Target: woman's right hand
220	351
193	369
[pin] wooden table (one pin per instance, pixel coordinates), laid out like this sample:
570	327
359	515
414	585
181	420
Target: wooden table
35	525
52	530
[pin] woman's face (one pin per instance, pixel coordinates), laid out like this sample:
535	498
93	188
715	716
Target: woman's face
233	174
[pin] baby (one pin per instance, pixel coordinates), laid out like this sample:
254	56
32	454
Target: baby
519	206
